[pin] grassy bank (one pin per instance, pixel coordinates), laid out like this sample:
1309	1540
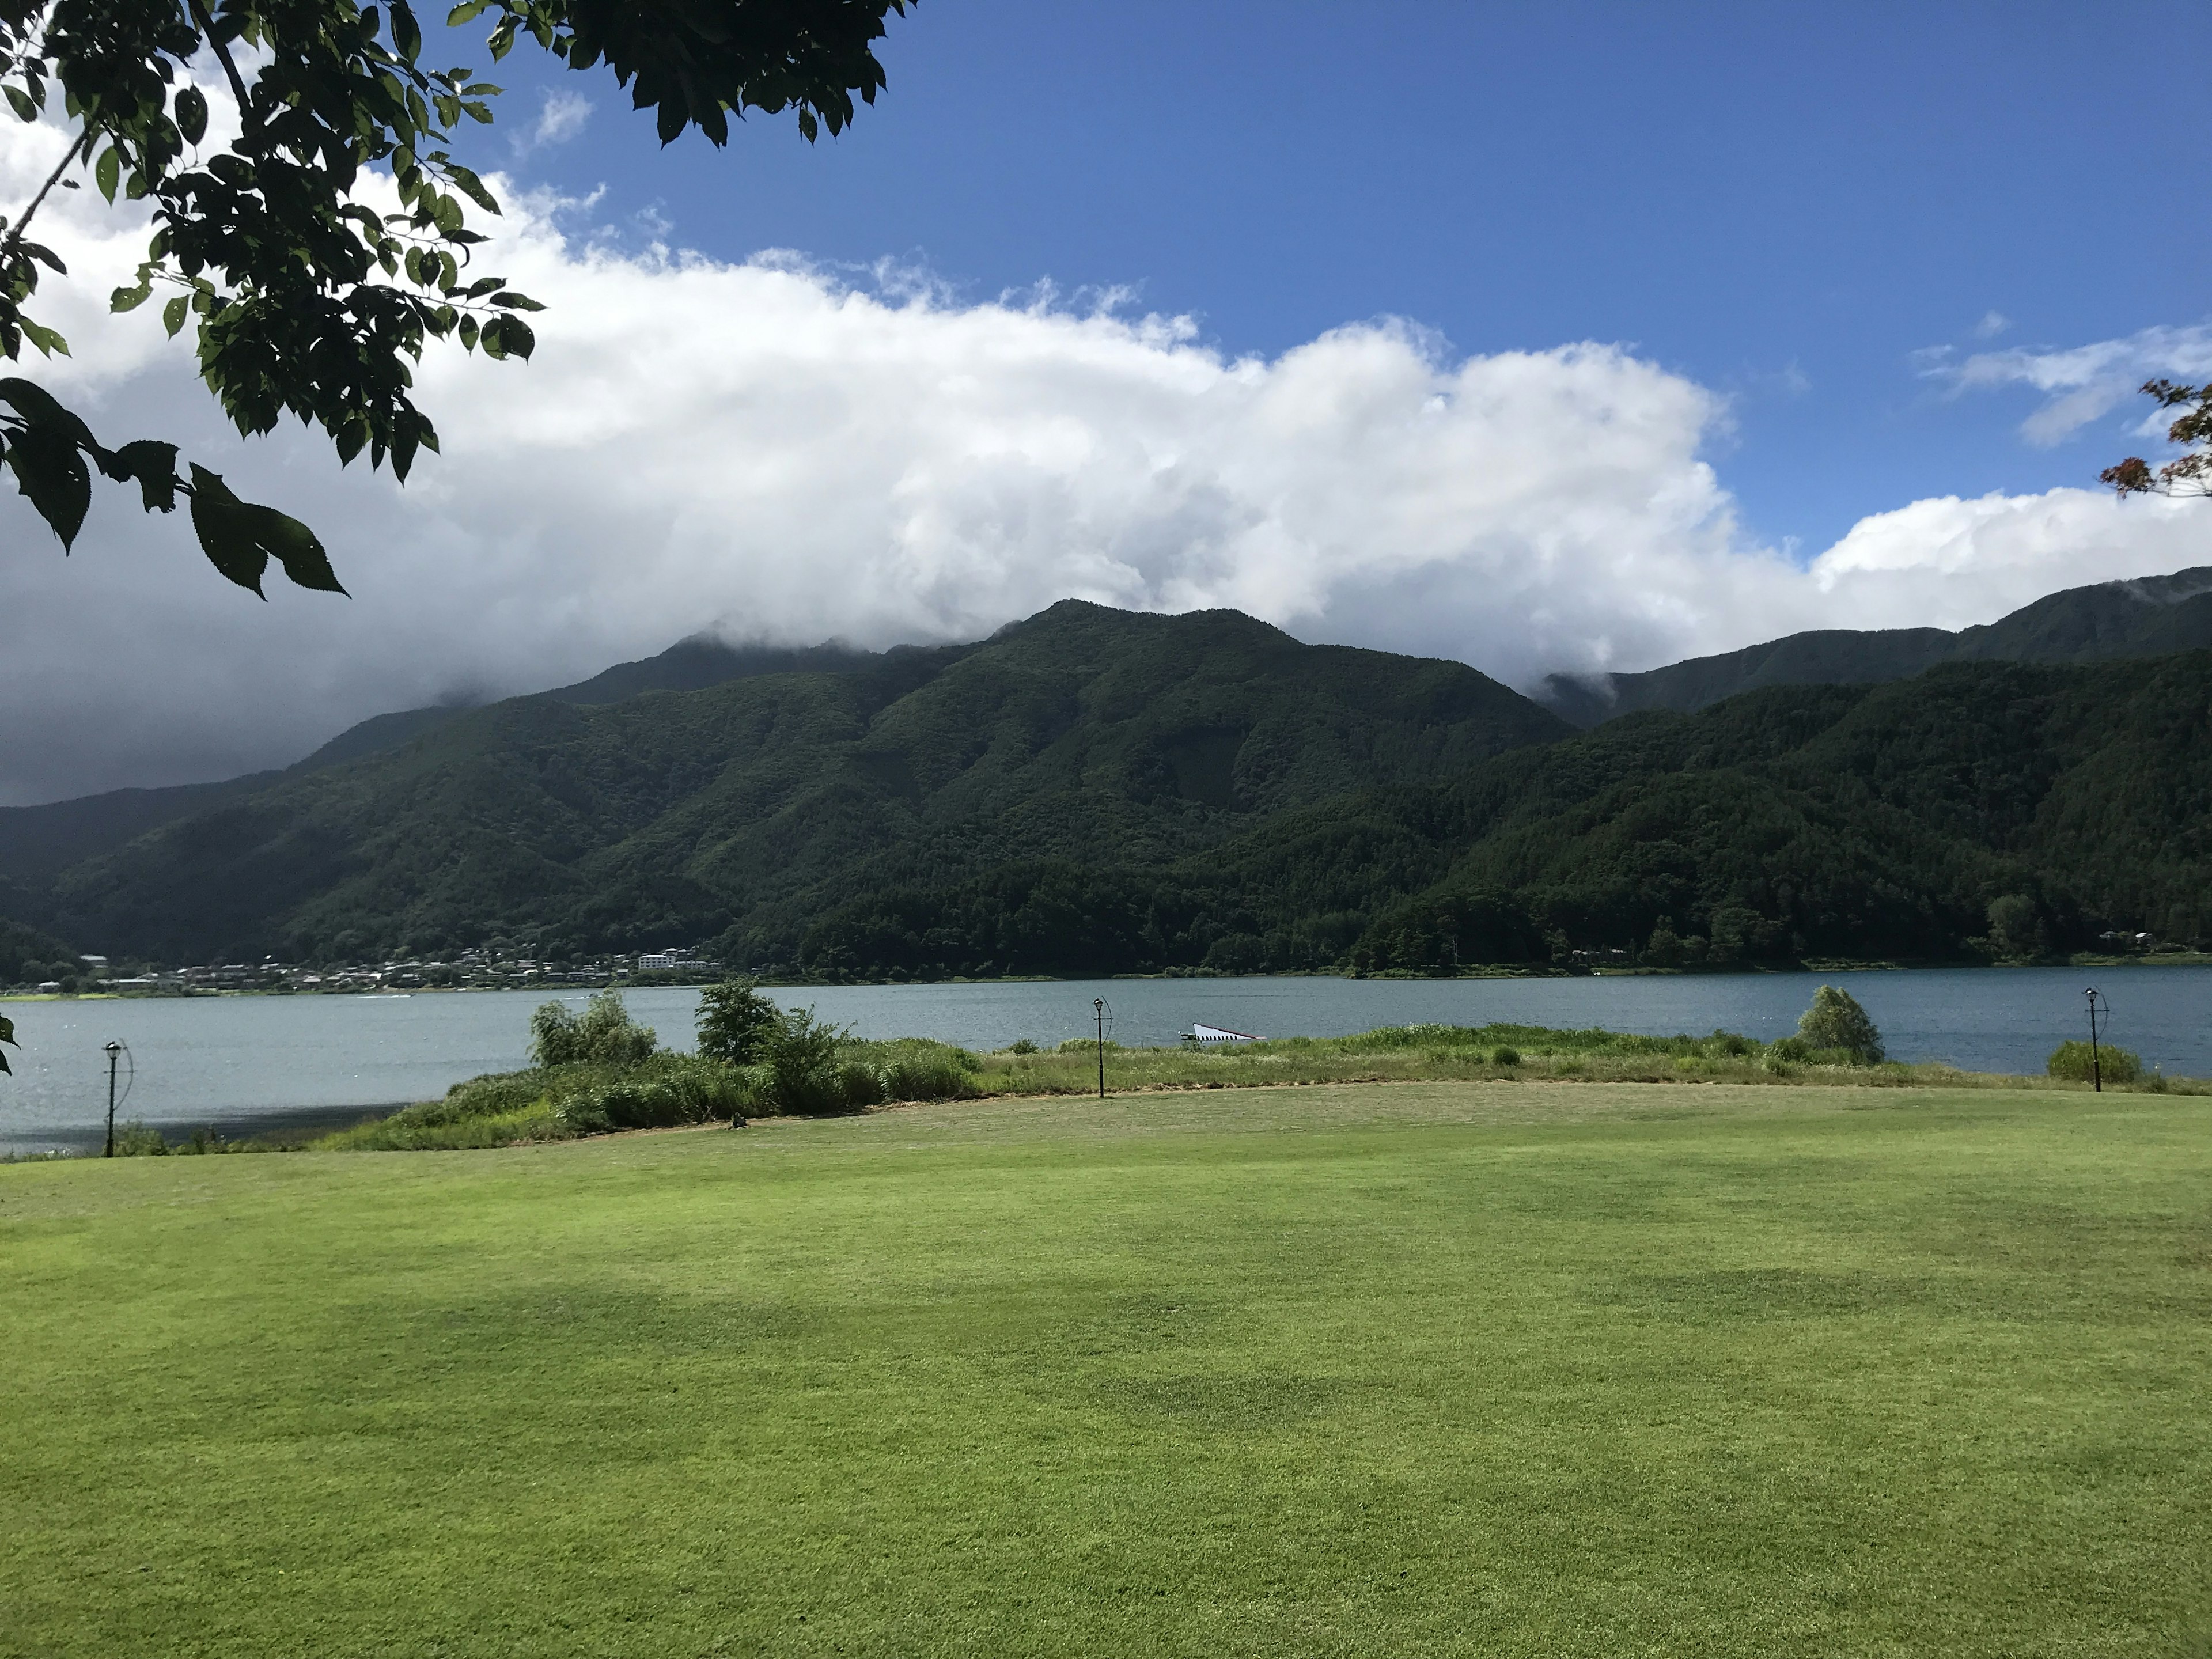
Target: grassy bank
563	1103
1495	1369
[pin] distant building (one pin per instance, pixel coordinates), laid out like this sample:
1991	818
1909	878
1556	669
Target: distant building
672	962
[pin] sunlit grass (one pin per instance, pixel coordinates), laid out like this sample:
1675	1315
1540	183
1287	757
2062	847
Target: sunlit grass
1499	1369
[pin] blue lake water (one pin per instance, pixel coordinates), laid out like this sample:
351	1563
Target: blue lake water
237	1062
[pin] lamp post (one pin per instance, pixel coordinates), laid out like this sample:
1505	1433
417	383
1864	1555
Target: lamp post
2096	1061
114	1052
1099	1008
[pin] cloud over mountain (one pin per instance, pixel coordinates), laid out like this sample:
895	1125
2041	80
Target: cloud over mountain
776	450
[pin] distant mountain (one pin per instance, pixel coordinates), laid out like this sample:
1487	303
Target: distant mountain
1979	810
38	843
2148	617
787	783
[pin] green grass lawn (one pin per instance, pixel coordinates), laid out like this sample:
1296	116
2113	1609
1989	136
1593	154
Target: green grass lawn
1484	1369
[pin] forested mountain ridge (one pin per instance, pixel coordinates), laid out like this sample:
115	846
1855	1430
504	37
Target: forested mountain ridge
741	811
37	842
1978	812
2145	617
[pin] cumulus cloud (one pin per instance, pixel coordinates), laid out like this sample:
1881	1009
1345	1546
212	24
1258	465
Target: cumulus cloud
2081	383
560	117
775	450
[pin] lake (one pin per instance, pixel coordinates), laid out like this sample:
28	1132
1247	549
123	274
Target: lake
236	1063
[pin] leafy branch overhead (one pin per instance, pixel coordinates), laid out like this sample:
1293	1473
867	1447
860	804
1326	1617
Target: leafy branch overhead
304	300
2191	475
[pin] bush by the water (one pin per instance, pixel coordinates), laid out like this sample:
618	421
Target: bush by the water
605	1034
737	1024
1836	1021
2070	1063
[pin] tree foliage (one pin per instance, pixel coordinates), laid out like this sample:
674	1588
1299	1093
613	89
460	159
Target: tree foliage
737	1024
1837	1021
2191	473
306	300
604	1035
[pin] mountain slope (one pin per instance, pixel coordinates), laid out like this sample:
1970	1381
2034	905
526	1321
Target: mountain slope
1851	820
747	808
37	842
2148	617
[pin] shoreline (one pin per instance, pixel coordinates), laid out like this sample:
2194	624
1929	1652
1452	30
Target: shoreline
1815	965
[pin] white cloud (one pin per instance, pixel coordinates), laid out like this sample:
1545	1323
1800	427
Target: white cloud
1993	324
560	117
776	451
2083	383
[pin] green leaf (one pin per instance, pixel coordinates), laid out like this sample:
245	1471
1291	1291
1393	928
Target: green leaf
192	114
37	406
241	538
516	302
406	32
47	341
107	171
19	101
173	313
130	299
473	187
49	470
154	464
467	12
227	539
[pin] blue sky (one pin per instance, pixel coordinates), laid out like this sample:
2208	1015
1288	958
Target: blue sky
1781	203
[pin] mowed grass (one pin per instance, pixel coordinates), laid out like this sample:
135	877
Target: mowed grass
1494	1369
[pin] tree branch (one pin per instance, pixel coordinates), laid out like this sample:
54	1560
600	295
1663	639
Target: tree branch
247	116
81	145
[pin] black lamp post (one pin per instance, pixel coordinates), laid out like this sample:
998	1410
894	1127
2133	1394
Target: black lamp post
114	1052
2096	1061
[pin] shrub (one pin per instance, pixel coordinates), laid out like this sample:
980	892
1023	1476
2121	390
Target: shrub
137	1140
1504	1055
804	1078
605	1035
737	1024
1793	1049
1024	1045
921	1070
2071	1061
1836	1021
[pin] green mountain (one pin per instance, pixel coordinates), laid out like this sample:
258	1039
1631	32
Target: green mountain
1093	791
38	843
744	811
1980	810
2148	617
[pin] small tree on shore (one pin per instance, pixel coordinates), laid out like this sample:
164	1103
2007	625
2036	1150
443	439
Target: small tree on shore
605	1034
1836	1021
737	1024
